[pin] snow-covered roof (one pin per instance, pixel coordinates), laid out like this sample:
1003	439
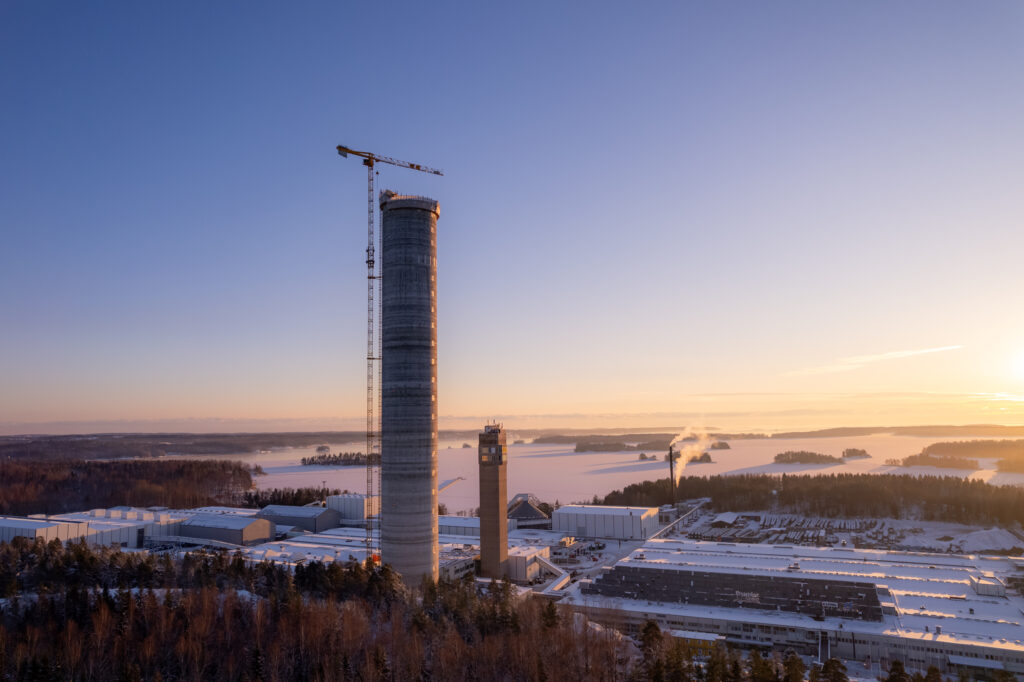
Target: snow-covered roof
20	522
227	521
525	550
927	590
606	510
237	511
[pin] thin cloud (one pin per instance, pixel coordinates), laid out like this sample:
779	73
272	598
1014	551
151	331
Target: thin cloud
858	361
1000	397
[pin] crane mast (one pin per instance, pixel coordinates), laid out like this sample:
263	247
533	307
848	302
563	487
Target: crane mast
373	340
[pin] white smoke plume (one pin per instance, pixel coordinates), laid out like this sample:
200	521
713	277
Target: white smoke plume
692	442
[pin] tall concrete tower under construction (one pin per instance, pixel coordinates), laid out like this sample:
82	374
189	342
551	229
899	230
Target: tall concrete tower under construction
408	523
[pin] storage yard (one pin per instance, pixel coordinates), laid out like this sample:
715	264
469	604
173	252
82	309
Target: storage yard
896	534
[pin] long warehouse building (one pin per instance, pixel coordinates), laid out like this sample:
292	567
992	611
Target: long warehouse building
953	612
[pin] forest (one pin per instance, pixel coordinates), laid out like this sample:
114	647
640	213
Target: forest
58	486
1010	453
805	457
929	460
101	614
61	486
946	498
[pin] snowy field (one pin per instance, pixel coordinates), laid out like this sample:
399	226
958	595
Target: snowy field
555	472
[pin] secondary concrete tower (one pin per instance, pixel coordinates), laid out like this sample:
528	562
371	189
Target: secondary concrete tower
408	524
493	502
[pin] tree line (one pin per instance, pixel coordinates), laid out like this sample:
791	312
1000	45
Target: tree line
117	446
295	497
925	459
937	498
338	459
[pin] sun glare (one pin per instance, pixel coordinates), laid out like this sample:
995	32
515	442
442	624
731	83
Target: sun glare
1018	366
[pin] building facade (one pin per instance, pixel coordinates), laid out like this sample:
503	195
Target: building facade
617	523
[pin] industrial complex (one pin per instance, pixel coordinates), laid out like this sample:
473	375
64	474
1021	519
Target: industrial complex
875	607
962	613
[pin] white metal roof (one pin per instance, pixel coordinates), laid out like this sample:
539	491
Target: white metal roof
227	521
928	590
606	510
21	522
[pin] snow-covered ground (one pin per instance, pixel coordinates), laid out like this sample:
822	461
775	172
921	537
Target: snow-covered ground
556	472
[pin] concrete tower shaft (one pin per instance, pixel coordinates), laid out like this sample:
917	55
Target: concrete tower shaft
408	526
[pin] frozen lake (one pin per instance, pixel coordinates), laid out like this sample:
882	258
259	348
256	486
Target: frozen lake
555	472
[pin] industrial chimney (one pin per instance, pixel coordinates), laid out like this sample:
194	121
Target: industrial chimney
408	524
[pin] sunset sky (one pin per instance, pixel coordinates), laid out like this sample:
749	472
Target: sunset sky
742	215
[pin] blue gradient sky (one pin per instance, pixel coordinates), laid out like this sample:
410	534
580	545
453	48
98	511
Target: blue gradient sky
671	213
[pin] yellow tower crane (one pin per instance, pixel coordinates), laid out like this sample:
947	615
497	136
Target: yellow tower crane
373	338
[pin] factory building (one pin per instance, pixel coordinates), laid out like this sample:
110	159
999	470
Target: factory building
353	507
870	606
122	526
493	463
616	523
311	519
463	525
233	529
408	520
37	528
